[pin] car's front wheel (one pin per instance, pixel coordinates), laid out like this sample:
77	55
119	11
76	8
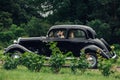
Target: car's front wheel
15	53
92	59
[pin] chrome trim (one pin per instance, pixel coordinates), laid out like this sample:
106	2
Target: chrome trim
115	56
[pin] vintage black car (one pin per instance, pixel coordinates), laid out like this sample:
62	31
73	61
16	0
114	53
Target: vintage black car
72	38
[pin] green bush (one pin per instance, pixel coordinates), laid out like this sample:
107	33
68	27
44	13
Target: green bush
56	62
105	66
117	49
79	63
32	61
10	63
73	65
57	59
82	63
2	58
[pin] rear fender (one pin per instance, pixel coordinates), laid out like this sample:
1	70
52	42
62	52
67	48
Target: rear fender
95	49
16	47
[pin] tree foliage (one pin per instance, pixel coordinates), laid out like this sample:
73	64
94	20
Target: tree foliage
34	17
102	29
36	27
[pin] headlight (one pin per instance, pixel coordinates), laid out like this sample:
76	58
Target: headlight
15	41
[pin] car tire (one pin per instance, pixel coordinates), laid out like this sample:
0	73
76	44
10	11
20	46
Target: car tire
15	53
92	59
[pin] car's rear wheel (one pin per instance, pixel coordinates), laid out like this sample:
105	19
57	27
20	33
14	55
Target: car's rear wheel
92	59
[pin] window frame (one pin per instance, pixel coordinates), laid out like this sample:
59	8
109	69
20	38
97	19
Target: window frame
84	37
56	30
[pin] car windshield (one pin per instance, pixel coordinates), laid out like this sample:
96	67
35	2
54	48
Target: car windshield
57	33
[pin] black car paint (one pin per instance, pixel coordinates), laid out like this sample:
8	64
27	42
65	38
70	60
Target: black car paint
39	44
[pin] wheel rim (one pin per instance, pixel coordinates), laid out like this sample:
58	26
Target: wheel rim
91	60
16	55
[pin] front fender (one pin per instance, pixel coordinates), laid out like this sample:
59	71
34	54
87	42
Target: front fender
16	46
95	49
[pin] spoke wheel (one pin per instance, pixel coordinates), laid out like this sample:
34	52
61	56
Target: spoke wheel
92	60
16	54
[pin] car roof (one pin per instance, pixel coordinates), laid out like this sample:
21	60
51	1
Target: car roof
69	26
72	27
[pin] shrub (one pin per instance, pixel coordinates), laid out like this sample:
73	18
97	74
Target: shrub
10	63
117	49
57	59
2	58
32	61
105	66
82	63
79	63
73	65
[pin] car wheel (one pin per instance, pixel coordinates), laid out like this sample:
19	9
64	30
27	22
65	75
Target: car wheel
16	54
92	60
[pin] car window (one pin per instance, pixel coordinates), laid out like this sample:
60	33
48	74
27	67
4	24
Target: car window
57	33
76	33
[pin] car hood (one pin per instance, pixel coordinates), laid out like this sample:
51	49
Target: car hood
31	39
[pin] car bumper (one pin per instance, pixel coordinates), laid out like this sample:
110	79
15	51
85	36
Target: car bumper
114	56
111	54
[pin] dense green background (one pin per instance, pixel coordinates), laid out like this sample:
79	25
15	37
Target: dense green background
23	18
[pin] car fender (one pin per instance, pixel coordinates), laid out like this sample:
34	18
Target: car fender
95	49
16	47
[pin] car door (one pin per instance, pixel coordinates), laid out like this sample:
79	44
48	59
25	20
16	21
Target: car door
76	40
